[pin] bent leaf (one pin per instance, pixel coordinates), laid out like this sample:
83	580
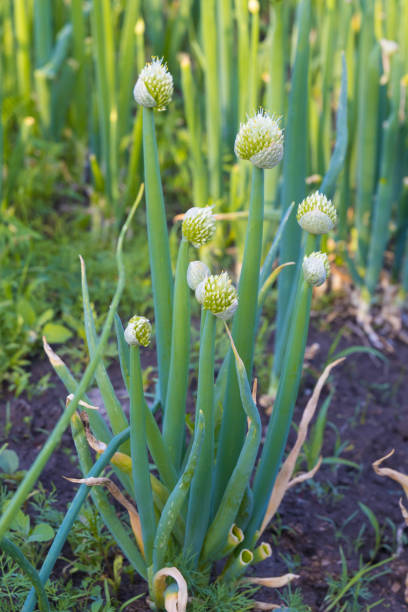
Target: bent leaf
283	482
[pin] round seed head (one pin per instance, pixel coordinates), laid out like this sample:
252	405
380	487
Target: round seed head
316	214
198	225
138	331
217	294
154	87
316	268
260	140
197	271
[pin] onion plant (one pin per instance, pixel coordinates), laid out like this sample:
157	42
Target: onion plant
193	492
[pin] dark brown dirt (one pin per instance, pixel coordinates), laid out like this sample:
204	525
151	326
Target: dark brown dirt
316	520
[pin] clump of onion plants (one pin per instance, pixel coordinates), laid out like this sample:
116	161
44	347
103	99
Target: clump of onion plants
195	495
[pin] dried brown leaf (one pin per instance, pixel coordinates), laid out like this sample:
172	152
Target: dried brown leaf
118	495
305	475
399	477
274	582
70	397
282	482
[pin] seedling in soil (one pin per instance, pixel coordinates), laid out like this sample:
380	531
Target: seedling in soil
350	590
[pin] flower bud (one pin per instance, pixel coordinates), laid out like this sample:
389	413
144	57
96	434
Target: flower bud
217	294
316	214
154	87
197	271
316	268
198	225
138	331
260	140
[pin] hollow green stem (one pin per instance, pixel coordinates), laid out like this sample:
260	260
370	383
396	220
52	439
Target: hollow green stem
80	102
201	486
140	462
243	330
117	418
157	448
234	492
368	104
22	21
159	252
176	499
42	31
194	130
174	415
275	89
212	96
294	171
126	67
281	418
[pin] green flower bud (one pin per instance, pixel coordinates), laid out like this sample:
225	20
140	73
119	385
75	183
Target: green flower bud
138	331
198	225
260	140
154	87
217	294
197	271
316	268
316	214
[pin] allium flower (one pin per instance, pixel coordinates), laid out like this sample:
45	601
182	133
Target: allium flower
316	268
316	214
260	140
138	331
198	225
154	87
217	294
197	271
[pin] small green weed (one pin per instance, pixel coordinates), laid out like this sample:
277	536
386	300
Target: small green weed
350	590
222	596
293	600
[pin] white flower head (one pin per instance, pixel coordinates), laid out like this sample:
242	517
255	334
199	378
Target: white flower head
197	271
154	86
316	214
217	294
198	225
316	268
138	331
260	140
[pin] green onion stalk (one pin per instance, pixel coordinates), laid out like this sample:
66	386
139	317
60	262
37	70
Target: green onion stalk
260	140
367	133
316	215
294	178
154	89
275	88
190	97
385	190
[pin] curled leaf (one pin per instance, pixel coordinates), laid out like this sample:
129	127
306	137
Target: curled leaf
399	477
170	602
